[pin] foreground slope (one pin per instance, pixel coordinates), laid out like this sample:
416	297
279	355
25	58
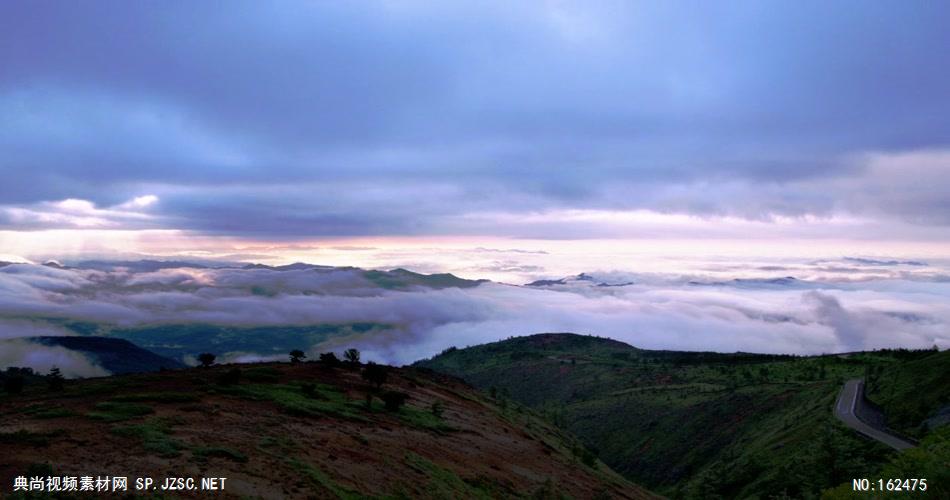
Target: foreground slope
296	431
701	425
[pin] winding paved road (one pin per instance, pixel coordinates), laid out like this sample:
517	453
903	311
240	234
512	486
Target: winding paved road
848	399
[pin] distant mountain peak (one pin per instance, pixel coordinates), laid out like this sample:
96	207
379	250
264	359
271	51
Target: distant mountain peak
585	277
115	355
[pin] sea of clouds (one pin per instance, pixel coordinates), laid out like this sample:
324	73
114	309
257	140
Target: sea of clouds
865	304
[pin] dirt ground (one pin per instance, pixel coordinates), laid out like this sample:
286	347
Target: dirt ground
475	447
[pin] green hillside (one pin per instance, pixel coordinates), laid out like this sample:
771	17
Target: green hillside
930	460
911	391
687	424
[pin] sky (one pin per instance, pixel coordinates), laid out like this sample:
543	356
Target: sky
265	129
651	142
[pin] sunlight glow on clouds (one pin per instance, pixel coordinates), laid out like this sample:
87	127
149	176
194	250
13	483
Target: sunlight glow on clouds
605	119
76	213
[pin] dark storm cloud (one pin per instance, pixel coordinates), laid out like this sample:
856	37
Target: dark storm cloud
324	118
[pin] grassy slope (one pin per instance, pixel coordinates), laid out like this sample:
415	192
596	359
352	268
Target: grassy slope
297	431
688	424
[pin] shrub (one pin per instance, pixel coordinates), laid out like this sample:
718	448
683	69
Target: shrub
394	400
437	409
13	384
230	377
309	390
55	379
352	356
587	457
375	374
154	435
296	355
206	359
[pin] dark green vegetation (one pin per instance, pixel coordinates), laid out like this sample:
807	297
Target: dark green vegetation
909	388
930	460
154	435
300	430
699	425
111	411
401	279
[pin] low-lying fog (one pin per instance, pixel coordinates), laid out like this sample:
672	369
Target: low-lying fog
789	307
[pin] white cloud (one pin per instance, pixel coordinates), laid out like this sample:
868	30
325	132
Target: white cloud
658	311
77	213
42	359
138	203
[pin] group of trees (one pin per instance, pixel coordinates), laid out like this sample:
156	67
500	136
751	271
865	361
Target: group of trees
374	374
351	357
377	375
15	378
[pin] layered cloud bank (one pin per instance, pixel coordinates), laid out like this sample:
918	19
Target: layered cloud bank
317	119
882	304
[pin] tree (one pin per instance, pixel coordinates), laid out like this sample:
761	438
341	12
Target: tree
394	399
296	355
330	360
206	359
375	374
352	356
55	379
